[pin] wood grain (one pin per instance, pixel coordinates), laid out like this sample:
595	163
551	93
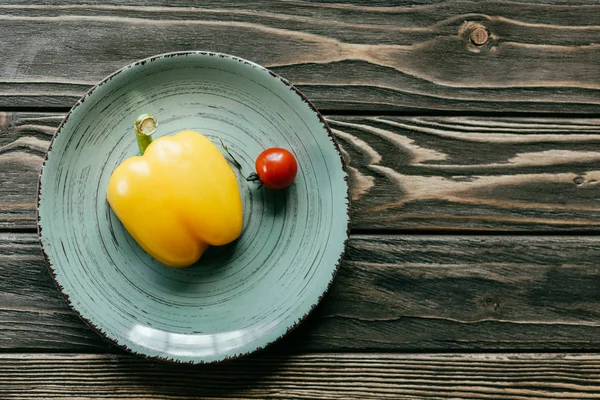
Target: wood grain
454	173
408	293
540	56
323	376
409	173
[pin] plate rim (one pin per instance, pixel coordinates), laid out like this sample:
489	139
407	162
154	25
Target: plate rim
197	360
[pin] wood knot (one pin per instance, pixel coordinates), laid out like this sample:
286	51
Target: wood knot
479	36
492	304
475	35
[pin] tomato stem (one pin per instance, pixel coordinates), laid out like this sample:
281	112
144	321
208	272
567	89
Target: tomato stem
145	125
253	177
235	162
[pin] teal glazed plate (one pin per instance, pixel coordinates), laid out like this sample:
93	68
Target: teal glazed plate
238	298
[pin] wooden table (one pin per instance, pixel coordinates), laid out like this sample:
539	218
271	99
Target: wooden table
472	142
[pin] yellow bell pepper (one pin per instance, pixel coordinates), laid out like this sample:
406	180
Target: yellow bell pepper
178	197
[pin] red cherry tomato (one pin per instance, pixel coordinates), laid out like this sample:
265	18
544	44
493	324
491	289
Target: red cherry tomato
276	168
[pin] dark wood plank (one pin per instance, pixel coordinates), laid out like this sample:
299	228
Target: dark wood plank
454	173
323	376
24	139
393	293
410	173
400	55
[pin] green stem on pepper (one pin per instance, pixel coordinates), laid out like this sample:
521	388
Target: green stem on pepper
145	125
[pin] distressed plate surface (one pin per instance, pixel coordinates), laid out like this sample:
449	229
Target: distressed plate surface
238	298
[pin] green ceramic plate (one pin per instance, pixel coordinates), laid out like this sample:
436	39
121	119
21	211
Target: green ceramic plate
238	298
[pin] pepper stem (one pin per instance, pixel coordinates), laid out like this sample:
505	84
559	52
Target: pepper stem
145	125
